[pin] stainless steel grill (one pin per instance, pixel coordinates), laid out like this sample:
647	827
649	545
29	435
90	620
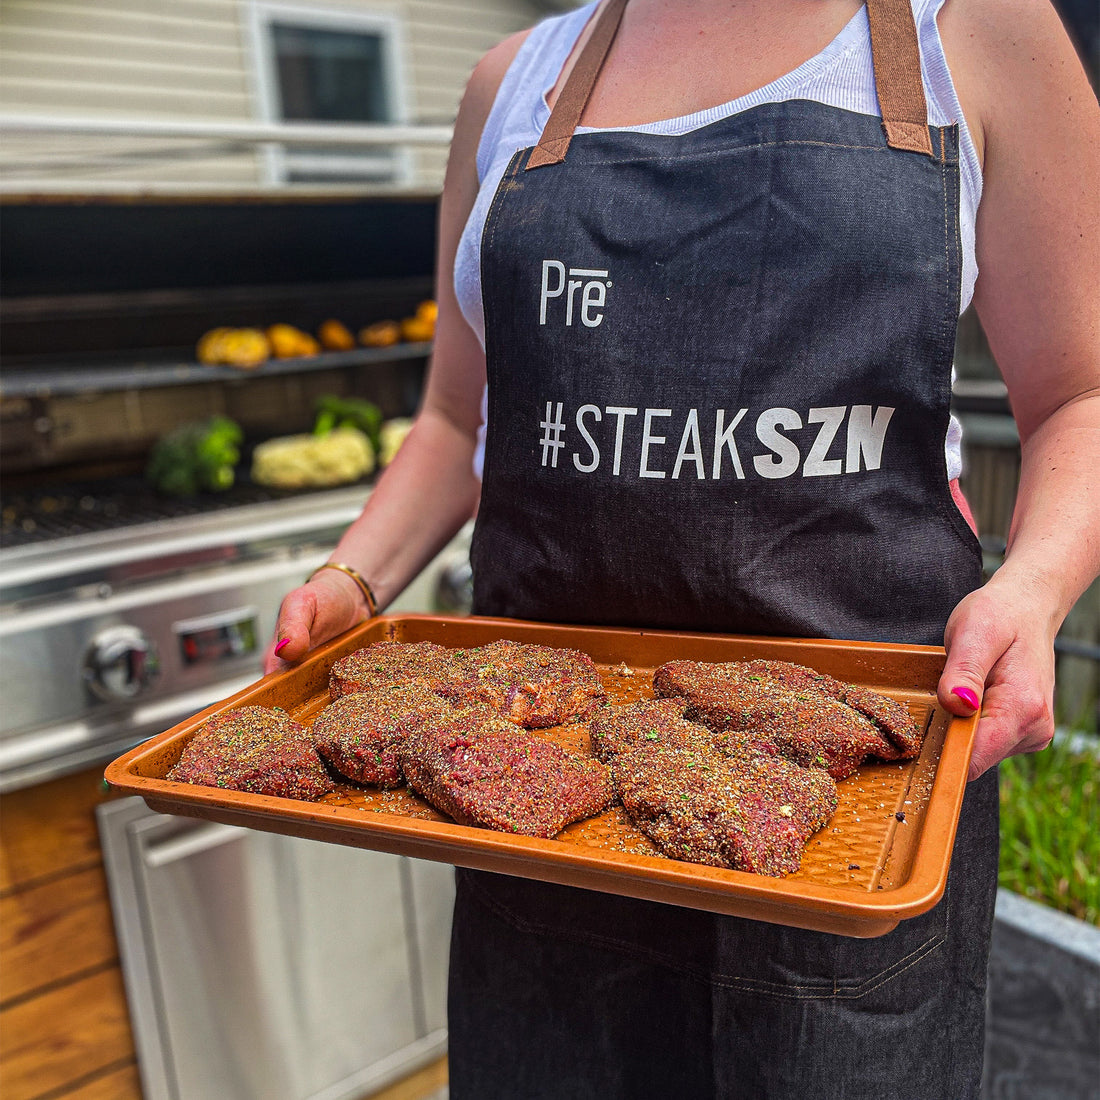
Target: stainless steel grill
123	612
111	635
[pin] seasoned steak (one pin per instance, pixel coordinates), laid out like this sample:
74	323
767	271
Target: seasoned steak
385	663
891	717
532	685
808	726
258	750
617	729
483	773
359	735
795	677
652	722
750	812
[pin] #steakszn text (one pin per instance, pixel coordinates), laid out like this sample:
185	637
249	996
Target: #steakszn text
716	443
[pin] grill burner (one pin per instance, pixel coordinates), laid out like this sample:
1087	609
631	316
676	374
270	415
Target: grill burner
79	508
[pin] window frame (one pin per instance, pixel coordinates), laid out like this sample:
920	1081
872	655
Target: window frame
278	162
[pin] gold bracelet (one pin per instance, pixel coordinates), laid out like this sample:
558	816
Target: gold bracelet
368	594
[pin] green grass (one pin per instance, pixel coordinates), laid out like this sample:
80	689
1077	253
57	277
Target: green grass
1050	829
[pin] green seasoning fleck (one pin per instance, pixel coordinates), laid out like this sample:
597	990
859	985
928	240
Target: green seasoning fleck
757	678
652	735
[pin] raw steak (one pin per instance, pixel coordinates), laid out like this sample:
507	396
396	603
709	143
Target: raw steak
891	717
750	812
649	723
360	735
809	726
494	774
385	663
254	749
532	685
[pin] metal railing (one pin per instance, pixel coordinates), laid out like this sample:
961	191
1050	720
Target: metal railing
345	136
60	169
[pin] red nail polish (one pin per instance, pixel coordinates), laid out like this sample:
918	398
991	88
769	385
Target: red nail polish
286	642
967	696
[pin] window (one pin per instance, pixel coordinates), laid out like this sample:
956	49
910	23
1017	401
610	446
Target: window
330	66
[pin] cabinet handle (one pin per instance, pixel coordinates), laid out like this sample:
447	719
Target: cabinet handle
196	840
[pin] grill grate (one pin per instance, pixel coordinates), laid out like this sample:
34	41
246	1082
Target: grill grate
80	508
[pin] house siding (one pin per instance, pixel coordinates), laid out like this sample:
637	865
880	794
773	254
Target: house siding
193	60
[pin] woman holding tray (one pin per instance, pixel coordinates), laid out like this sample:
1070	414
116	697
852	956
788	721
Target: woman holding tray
718	353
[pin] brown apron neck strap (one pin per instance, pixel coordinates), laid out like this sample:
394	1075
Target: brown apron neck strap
895	52
569	107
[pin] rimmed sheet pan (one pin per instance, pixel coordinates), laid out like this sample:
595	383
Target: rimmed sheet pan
883	857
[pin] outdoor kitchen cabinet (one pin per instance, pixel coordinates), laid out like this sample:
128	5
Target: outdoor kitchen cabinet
266	967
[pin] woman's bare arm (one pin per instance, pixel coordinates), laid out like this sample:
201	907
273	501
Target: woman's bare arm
430	489
1038	300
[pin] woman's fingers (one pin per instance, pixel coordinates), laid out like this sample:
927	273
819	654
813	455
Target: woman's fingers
292	629
1017	717
1001	663
312	614
975	641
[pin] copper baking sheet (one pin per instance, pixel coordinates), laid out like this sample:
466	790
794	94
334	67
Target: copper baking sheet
881	859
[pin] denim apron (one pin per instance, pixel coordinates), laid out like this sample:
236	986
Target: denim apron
719	382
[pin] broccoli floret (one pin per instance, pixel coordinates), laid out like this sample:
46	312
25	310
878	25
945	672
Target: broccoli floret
195	457
349	412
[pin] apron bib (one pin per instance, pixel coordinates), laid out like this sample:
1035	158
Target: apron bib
719	382
719	372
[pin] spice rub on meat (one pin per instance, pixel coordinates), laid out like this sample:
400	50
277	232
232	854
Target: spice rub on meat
490	772
794	708
255	749
892	718
654	722
617	729
534	686
360	735
749	812
385	663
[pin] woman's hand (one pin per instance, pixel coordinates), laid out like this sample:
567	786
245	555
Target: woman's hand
1000	659
326	605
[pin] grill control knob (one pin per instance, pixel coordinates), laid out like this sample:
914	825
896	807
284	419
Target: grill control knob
120	663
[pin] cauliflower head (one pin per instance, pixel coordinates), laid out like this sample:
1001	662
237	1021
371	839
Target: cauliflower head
310	461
